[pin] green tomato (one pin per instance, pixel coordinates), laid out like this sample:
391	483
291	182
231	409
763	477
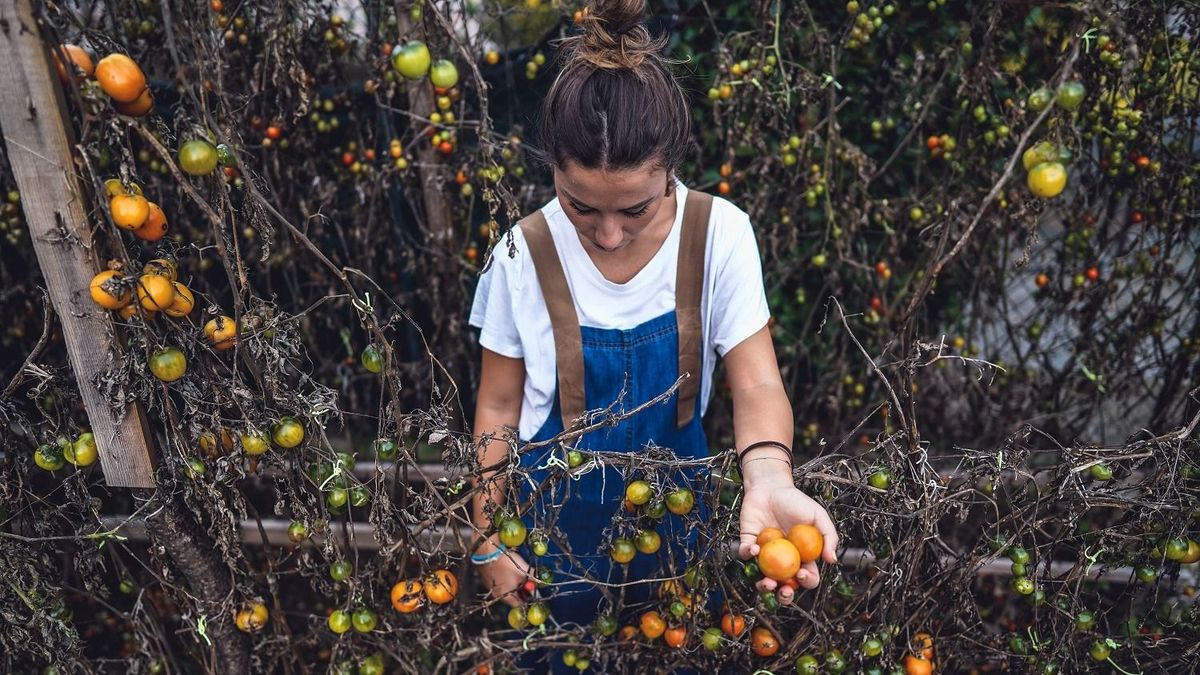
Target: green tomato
711	638
638	492
1038	153
224	155
1147	574
769	601
364	619
49	457
1023	585
872	647
372	665
1100	650
1101	472
574	458
443	74
1019	555
373	359
512	532
517	619
83	451
288	433
647	541
297	532
538	544
606	624
411	60
1176	549
1085	620
835	662
1070	95
341	570
655	509
1040	99
198	157
880	480
680	501
339	621
254	443
337	498
537	614
807	664
168	364
194	467
386	448
359	497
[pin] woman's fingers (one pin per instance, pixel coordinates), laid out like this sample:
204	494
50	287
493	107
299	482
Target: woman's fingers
825	524
808	576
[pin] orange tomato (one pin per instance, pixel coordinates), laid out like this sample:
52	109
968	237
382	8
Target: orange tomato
675	636
915	665
183	303
251	619
441	586
407	595
138	106
733	625
653	624
155	292
924	644
102	297
808	541
155	227
627	633
120	78
129	212
221	332
779	560
81	63
768	534
724	188
130	310
763	641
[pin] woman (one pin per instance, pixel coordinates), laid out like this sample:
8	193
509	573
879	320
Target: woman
617	286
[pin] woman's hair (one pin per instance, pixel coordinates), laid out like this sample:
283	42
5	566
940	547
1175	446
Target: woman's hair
615	103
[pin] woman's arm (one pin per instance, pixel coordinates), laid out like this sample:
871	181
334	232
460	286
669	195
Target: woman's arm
762	412
498	409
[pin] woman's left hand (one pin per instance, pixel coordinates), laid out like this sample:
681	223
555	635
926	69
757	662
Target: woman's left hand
779	504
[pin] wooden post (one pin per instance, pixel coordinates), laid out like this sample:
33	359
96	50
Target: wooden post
39	141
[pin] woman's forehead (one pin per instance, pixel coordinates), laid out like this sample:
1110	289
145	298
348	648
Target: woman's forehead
618	188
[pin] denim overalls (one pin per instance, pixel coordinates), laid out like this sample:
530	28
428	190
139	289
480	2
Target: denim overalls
643	362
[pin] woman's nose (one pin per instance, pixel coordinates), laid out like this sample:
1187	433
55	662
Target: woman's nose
609	235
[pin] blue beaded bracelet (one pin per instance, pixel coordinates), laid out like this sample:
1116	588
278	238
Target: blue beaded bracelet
486	558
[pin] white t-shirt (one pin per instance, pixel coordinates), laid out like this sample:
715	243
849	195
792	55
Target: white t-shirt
511	312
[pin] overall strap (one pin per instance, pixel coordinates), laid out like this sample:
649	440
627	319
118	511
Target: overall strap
568	341
689	283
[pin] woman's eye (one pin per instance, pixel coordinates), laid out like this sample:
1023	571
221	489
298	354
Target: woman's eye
639	213
580	210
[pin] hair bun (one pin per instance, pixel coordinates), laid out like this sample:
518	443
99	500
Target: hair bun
614	35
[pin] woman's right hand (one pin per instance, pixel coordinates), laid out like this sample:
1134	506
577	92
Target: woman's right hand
504	576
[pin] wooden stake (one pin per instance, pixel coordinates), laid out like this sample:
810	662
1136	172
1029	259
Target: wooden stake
32	120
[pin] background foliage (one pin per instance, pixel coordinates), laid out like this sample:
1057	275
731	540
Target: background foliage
968	363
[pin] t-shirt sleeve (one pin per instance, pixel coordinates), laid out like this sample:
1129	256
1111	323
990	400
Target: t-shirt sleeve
739	298
492	310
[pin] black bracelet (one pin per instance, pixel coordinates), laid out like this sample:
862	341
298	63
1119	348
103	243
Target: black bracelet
742	455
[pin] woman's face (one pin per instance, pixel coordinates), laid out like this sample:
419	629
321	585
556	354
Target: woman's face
611	209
